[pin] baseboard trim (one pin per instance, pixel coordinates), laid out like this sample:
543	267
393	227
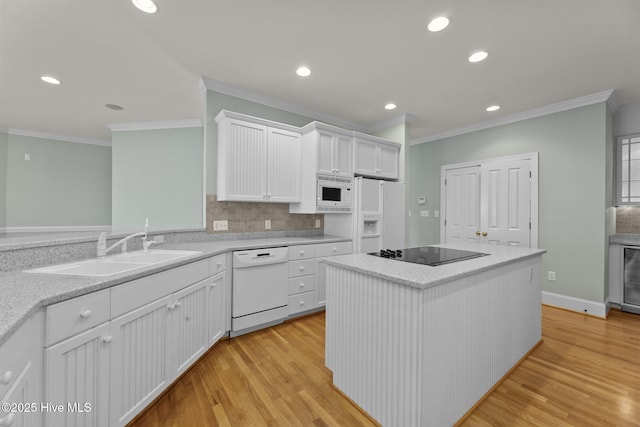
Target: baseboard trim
579	305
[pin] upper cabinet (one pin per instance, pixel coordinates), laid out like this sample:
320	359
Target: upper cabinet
258	160
328	149
376	157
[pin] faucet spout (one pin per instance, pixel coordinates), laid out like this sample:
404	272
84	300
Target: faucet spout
103	250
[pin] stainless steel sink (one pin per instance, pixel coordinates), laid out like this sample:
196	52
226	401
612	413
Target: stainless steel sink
115	264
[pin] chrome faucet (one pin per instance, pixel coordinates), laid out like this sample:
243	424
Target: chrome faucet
102	241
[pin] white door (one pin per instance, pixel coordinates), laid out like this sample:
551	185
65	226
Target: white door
506	203
462	204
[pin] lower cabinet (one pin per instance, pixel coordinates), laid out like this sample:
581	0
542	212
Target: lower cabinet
106	375
140	367
77	379
21	375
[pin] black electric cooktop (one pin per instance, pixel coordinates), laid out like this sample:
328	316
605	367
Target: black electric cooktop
428	255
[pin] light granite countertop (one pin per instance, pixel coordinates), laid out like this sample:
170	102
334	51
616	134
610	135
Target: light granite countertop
423	276
25	293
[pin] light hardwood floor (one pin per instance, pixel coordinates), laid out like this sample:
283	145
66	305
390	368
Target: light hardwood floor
585	373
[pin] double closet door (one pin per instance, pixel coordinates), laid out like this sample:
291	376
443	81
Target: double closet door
489	203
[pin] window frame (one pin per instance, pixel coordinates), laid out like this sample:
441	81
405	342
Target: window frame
619	179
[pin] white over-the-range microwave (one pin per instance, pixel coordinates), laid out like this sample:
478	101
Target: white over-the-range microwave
334	194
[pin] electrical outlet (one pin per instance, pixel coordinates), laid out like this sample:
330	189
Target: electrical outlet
317	223
27	156
436	214
220	225
267	224
424	213
158	239
551	276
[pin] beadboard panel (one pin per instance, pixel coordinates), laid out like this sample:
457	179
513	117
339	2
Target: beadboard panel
412	357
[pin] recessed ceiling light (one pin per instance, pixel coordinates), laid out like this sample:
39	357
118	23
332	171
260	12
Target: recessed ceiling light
438	24
147	6
50	80
303	71
478	56
114	107
390	106
493	108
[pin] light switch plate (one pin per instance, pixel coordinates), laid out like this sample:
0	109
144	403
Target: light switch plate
424	213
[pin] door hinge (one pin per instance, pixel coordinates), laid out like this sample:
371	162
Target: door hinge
445	222
445	182
529	225
529	174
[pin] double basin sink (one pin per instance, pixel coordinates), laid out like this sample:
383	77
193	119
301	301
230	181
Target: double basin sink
115	264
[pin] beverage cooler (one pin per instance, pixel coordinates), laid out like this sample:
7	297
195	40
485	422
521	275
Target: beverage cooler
631	297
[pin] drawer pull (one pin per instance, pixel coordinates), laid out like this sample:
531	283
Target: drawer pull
178	304
301	285
334	249
8	420
107	339
219	264
171	306
6	377
301	303
301	252
85	314
302	268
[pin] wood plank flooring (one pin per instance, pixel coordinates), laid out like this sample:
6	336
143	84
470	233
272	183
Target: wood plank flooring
585	373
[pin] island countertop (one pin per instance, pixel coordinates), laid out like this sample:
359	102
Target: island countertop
424	276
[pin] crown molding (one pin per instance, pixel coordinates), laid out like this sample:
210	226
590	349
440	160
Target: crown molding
525	115
629	107
217	86
167	124
397	120
56	137
4	130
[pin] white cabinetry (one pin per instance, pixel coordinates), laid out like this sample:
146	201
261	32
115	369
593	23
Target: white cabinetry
258	160
21	374
324	250
376	157
334	148
119	348
307	283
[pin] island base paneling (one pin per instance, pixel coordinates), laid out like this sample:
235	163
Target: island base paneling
415	357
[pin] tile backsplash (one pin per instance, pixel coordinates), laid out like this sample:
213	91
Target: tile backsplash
628	219
247	217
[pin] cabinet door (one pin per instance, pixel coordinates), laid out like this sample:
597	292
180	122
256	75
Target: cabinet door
77	373
244	158
283	166
21	393
325	153
321	284
139	359
388	157
216	308
343	160
366	158
188	326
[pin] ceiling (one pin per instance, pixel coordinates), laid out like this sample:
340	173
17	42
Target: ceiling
363	54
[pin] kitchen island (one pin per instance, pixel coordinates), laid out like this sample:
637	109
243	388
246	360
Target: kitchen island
415	345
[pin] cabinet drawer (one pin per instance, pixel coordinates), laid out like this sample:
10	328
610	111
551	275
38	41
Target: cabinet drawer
18	350
301	302
76	315
302	284
129	296
301	268
217	264
301	252
331	249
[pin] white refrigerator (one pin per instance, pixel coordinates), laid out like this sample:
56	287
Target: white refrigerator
377	219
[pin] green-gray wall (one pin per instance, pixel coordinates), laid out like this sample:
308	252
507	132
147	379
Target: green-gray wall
4	145
575	181
64	183
157	174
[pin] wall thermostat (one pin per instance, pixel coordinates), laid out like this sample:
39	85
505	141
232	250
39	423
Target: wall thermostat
422	200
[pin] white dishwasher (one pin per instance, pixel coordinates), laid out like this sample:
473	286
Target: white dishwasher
260	289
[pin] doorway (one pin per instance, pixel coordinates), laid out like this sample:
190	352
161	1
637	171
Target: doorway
491	201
